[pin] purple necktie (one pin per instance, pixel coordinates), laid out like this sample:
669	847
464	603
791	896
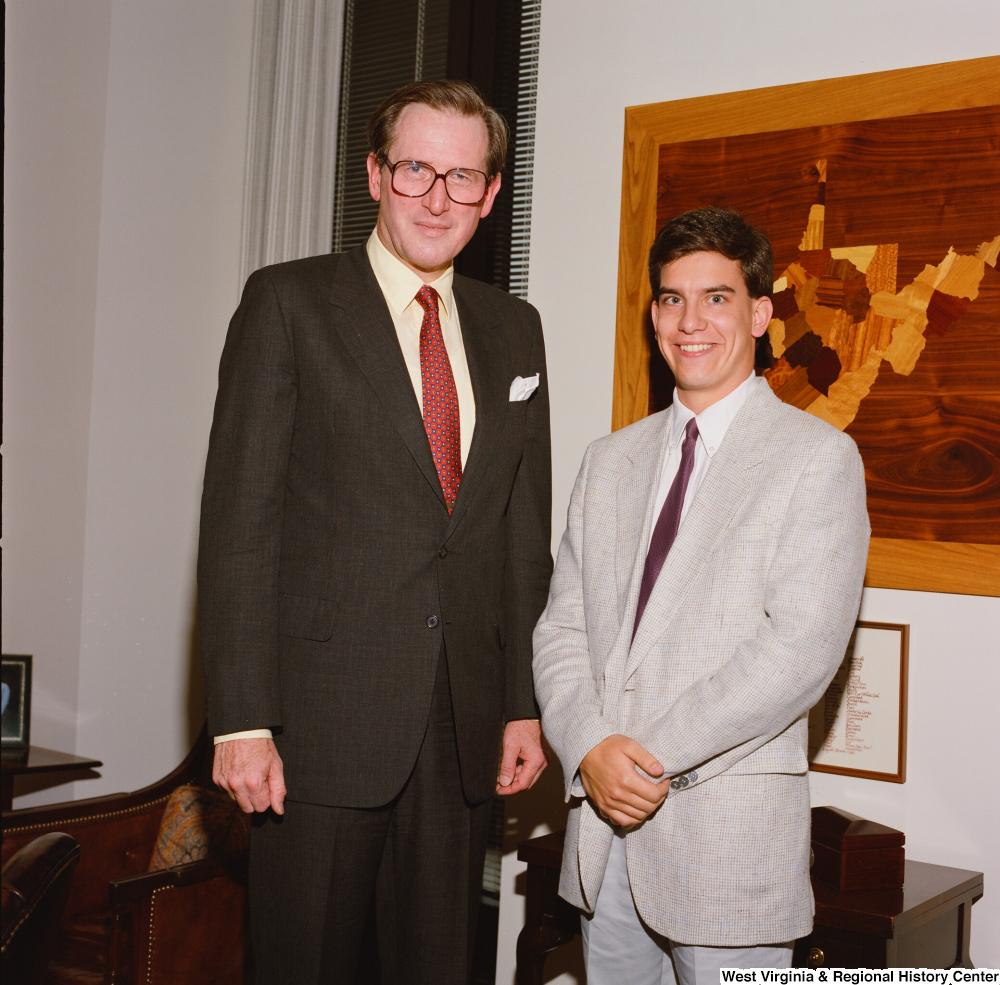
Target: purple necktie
668	521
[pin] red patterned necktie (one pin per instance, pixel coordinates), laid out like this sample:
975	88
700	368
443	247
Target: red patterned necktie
440	398
669	520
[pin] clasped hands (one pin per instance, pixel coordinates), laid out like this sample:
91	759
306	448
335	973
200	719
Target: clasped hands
609	776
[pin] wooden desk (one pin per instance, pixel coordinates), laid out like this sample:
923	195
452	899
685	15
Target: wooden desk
926	924
39	760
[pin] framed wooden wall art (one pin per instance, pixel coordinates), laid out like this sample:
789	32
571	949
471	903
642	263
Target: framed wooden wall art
881	195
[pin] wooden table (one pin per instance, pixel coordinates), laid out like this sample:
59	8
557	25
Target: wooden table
926	924
39	760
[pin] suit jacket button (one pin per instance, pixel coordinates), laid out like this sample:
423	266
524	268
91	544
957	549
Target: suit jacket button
692	776
682	781
443	553
432	622
675	785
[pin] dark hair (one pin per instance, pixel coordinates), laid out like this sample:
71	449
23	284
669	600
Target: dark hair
445	94
712	230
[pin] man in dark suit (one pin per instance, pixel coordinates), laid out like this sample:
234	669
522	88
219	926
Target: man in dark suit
374	555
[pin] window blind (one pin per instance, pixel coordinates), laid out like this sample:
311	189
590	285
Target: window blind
524	150
387	43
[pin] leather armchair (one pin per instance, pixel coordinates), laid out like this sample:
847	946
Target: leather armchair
124	924
36	884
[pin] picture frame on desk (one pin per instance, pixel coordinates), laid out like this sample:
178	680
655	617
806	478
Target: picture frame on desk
16	703
858	728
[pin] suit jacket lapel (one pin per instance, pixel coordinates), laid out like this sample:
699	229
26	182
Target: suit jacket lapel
636	501
368	333
729	480
489	369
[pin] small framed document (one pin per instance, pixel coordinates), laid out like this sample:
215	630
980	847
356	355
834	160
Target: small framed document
858	728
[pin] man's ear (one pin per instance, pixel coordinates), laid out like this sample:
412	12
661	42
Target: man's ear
491	194
763	310
374	178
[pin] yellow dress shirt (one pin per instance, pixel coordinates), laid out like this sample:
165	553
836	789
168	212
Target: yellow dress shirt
399	287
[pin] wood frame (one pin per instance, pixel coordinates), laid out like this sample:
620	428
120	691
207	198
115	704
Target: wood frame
971	569
900	775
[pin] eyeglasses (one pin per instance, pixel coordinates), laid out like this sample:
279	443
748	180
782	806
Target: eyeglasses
414	179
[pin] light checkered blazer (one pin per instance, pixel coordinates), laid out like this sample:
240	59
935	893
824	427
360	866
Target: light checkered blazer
744	629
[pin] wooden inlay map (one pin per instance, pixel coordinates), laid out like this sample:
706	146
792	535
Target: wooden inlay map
887	300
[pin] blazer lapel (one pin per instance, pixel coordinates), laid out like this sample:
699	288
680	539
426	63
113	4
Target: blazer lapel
368	333
489	369
636	499
733	473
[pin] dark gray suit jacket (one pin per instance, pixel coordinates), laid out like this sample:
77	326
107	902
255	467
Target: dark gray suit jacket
330	572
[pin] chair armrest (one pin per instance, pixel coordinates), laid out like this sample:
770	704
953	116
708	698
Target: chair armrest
133	902
29	875
123	892
36	883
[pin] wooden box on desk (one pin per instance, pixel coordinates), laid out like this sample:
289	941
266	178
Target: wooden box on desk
853	853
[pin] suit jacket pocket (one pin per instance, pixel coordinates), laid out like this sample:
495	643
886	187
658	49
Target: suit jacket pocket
785	753
305	618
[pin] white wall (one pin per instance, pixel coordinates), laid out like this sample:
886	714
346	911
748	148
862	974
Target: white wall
126	146
599	56
178	91
56	86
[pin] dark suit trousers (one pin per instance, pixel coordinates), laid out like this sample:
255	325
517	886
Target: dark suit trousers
316	871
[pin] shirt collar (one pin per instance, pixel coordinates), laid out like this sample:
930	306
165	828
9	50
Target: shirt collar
714	421
399	284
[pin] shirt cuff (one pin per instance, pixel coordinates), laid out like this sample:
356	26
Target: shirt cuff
254	733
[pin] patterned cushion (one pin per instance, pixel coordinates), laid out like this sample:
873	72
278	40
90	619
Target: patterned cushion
197	823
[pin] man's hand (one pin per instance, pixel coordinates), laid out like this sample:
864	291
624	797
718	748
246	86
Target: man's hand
522	740
250	771
620	793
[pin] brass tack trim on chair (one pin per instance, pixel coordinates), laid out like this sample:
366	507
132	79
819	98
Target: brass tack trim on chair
152	935
91	817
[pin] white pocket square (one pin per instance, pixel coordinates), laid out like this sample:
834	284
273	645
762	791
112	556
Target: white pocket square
521	389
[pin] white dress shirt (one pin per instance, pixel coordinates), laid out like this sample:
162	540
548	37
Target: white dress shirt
713	423
399	286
